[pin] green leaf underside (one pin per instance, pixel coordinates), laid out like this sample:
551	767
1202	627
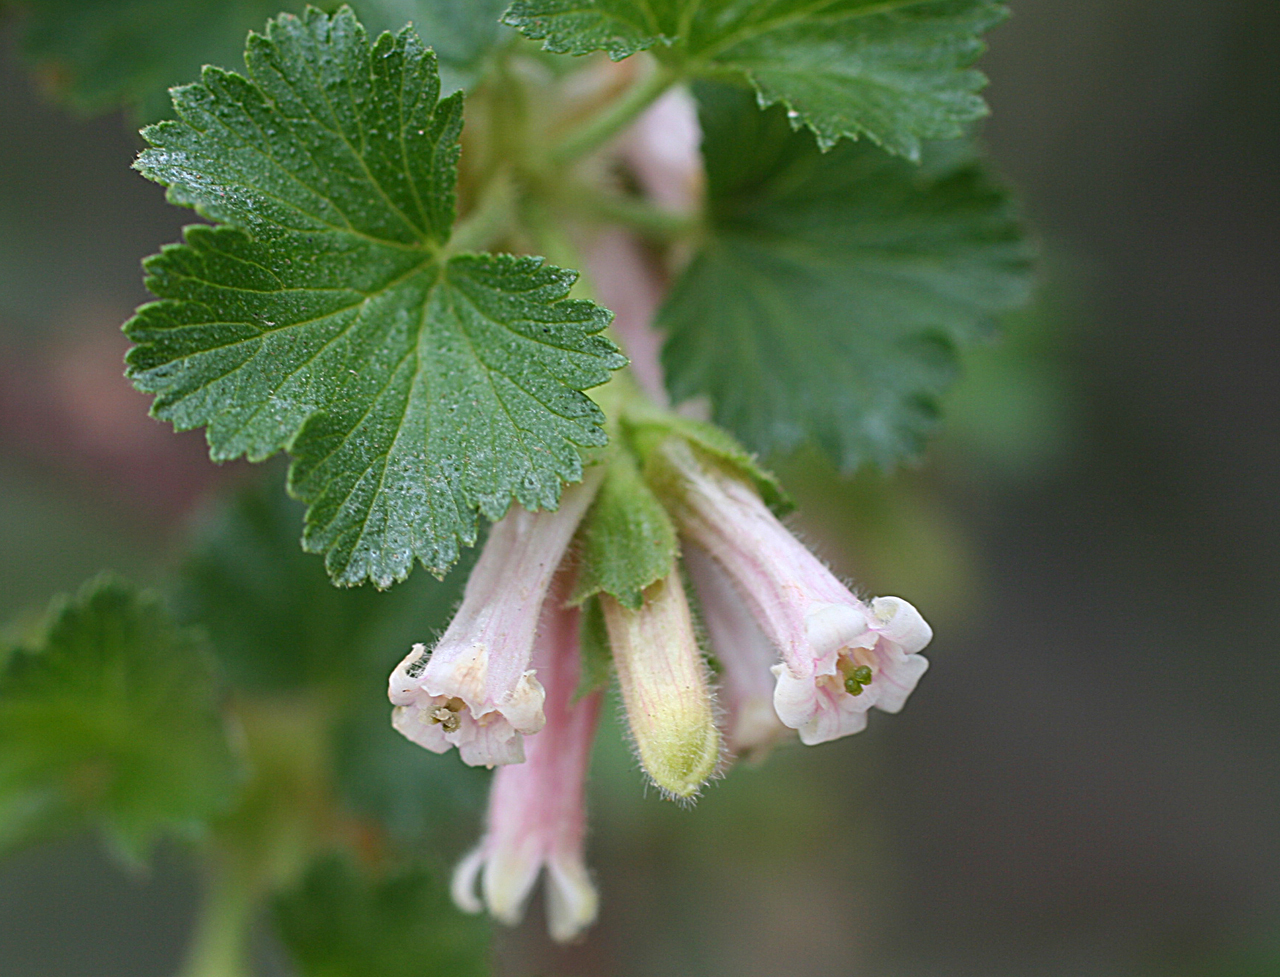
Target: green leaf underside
112	719
894	70
413	388
827	304
626	541
338	923
100	55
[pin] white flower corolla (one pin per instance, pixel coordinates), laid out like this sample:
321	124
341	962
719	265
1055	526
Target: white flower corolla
839	656
537	809
476	690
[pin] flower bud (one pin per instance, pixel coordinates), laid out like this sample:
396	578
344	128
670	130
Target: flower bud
664	687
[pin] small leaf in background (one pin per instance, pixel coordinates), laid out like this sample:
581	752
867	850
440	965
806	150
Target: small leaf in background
414	389
340	923
897	72
827	304
279	626
111	718
627	541
97	56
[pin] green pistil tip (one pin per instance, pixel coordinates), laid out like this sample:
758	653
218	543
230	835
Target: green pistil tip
857	679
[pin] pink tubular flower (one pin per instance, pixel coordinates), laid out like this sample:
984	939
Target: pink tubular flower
537	809
475	690
839	655
745	656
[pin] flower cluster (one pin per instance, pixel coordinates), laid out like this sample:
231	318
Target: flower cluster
795	649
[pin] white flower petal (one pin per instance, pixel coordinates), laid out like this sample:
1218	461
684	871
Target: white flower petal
795	699
901	623
572	901
509	875
462	887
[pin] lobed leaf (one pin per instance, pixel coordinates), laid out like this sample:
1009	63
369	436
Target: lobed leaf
111	717
896	71
415	388
828	301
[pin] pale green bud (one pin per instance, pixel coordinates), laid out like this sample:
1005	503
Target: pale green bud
665	687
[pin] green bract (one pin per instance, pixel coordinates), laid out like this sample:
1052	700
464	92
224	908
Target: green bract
99	55
111	718
626	540
894	70
827	301
414	387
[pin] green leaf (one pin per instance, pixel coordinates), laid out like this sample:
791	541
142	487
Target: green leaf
339	923
279	626
626	541
894	70
130	52
828	301
112	718
414	388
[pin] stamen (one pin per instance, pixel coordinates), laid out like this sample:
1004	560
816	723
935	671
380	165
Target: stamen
447	714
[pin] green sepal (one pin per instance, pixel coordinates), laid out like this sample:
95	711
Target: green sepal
112	717
626	541
596	670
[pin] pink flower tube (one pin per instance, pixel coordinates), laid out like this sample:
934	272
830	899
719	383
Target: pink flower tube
475	689
839	655
537	809
745	655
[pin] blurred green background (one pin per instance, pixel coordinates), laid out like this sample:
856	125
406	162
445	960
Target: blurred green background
1088	780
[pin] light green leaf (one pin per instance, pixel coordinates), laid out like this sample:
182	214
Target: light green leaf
340	923
626	541
130	52
414	388
828	301
112	717
894	70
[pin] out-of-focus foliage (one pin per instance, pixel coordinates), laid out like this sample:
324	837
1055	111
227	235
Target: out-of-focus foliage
339	922
97	55
281	628
111	717
827	304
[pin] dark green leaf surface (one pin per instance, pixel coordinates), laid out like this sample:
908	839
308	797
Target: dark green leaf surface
279	626
828	302
626	541
113	52
894	70
111	718
339	923
413	388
